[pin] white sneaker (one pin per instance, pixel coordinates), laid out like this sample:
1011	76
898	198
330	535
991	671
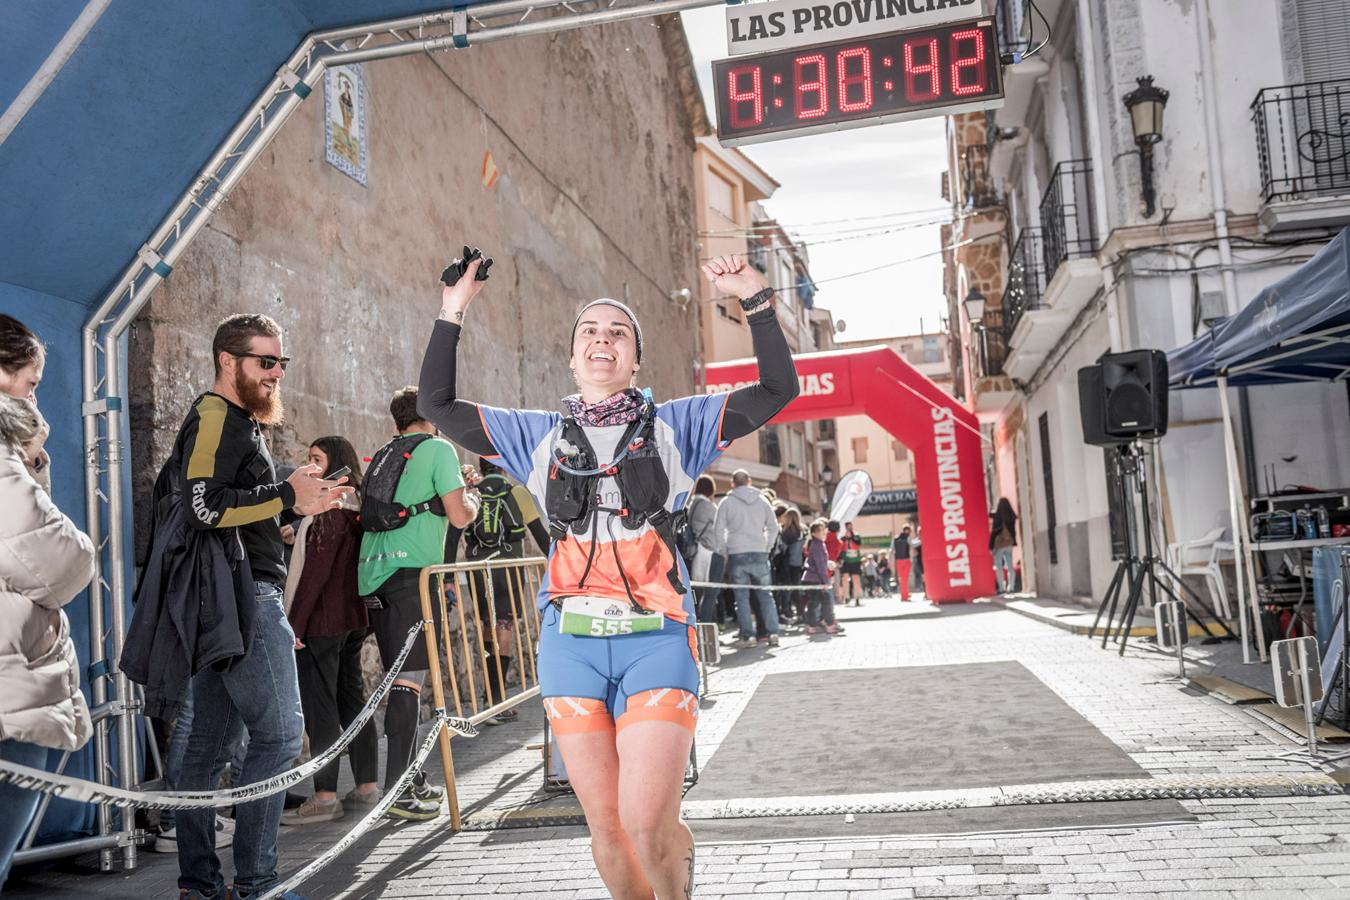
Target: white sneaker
167	841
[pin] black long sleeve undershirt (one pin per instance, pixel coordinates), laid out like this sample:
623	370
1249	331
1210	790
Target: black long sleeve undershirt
748	408
436	401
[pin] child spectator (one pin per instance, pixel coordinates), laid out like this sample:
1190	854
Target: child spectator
870	577
820	604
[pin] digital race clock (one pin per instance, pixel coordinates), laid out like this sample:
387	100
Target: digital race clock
903	75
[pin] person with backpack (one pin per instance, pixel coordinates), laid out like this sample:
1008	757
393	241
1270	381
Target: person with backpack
497	532
412	491
330	624
699	545
618	664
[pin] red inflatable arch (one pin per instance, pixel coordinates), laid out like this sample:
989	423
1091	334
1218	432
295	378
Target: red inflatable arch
943	437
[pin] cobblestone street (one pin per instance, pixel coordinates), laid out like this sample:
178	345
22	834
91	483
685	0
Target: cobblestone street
1276	847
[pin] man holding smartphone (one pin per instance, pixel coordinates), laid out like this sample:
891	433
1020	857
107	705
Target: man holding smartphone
228	481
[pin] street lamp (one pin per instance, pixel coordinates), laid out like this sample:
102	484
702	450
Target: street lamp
1145	104
975	305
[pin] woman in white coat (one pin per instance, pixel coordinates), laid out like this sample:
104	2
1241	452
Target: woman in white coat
44	562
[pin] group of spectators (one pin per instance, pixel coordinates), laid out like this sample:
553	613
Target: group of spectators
749	541
326	558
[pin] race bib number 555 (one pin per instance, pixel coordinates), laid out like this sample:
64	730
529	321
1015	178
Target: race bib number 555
599	617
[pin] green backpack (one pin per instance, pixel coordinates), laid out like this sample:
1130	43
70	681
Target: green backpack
499	522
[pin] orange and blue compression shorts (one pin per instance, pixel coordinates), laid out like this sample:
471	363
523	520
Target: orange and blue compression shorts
604	683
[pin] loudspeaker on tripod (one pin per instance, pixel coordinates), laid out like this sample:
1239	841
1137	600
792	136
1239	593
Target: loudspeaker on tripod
1124	397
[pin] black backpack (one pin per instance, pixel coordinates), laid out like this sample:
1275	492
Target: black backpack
379	512
499	522
685	539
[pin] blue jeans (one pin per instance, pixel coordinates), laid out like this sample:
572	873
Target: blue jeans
1004	576
173	759
752	569
18	804
260	694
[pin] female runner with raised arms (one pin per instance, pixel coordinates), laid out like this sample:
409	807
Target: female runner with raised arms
618	666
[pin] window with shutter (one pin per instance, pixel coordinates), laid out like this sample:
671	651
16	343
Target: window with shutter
1324	38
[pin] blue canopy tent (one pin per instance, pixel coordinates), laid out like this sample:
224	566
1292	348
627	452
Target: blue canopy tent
1297	330
122	128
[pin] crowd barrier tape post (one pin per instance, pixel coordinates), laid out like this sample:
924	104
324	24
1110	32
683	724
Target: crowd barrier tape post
477	586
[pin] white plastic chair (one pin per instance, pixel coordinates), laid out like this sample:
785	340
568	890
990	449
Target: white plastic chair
1201	557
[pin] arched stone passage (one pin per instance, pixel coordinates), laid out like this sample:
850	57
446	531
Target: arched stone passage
943	437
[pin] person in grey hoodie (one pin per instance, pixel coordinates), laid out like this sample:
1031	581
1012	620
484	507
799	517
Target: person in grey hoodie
745	530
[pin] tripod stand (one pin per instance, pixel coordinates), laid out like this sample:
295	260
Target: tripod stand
1135	571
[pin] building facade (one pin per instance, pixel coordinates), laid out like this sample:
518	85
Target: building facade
1081	229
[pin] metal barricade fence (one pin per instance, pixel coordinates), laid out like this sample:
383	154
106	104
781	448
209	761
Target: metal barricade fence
482	628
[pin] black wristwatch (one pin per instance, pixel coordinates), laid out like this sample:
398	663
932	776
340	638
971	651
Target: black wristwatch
759	299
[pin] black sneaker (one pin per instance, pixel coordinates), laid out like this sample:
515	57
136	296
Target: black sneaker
409	807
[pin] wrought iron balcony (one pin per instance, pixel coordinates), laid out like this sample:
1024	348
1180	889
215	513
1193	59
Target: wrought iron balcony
1067	224
1303	139
991	343
1026	279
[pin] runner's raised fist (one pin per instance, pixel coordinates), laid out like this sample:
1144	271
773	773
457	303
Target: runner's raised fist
463	279
733	275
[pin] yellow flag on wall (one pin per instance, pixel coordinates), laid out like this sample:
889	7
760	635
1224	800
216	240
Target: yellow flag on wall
490	172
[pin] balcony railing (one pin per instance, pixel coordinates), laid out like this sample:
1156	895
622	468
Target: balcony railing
991	343
1026	279
1067	216
976	182
1303	139
825	430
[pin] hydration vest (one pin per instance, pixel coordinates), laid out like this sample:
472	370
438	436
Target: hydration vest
572	499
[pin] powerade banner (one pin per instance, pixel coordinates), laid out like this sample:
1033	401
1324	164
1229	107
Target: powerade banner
943	436
850	495
891	503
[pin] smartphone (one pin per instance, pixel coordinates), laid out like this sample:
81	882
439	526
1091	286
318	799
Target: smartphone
340	473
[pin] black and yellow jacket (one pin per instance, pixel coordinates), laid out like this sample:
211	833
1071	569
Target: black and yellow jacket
228	481
214	530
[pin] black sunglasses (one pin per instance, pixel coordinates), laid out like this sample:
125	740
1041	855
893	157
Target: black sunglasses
266	362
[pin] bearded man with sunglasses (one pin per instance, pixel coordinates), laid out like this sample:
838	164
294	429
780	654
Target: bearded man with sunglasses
228	480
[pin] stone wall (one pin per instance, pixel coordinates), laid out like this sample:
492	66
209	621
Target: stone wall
592	132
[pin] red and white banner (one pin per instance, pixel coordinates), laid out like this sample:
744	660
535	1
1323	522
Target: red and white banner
943	437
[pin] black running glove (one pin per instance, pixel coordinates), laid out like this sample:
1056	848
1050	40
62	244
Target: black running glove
455	271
